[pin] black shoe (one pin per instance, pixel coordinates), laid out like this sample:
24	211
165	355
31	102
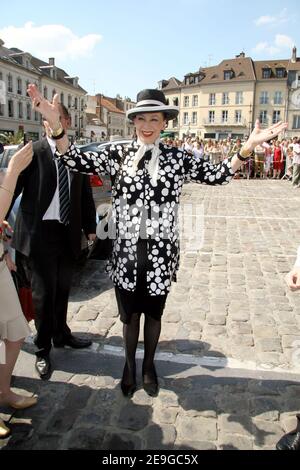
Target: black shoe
72	342
43	367
290	441
128	390
151	388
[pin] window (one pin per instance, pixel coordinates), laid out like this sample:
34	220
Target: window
175	102
224	116
82	105
195	100
1	76
227	74
76	120
45	92
62	98
238	116
175	123
276	116
185	119
212	99
9	83
69	101
194	118
267	73
76	103
1	109
186	101
278	97
264	97
28	111
239	98
27	85
263	117
36	116
296	122
211	117
280	73
20	110
225	98
10	108
19	86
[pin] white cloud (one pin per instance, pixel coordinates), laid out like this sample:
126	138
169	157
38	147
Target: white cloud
281	42
266	48
52	40
272	20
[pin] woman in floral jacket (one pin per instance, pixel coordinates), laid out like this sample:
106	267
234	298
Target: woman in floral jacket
149	177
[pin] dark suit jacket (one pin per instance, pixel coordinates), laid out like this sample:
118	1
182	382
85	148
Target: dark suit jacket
38	184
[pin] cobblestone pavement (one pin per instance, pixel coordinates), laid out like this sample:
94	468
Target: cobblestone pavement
229	351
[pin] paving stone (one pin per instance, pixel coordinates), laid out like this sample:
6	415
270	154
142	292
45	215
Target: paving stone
234	442
133	417
202	429
160	437
269	345
235	424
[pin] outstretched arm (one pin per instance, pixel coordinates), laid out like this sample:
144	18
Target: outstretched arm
90	163
258	137
50	112
17	164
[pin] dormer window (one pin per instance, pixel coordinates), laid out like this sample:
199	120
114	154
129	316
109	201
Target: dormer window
267	73
280	72
227	74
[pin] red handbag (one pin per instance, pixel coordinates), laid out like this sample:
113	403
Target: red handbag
25	297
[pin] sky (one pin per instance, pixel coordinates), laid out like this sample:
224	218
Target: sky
121	47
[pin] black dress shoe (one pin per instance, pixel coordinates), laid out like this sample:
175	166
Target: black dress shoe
128	390
72	342
290	441
43	367
150	387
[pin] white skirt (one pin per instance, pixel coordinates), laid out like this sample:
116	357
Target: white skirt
13	325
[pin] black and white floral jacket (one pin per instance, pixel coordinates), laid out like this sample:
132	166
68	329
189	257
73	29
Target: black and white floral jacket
139	206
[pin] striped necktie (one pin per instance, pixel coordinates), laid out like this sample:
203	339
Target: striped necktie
64	196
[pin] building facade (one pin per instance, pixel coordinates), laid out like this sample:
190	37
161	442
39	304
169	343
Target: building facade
17	70
225	100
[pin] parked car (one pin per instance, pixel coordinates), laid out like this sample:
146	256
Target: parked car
9	151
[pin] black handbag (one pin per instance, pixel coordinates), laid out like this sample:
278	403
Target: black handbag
101	249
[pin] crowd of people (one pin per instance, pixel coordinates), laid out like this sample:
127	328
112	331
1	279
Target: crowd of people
273	160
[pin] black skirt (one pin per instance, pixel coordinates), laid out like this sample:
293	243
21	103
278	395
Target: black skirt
140	301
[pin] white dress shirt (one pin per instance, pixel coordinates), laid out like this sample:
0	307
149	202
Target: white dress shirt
53	211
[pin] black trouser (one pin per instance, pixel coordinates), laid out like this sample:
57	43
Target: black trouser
52	265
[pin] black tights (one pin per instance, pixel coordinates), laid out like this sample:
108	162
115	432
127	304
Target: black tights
131	332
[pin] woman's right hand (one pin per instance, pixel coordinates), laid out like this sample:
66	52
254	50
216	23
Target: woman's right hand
50	111
20	159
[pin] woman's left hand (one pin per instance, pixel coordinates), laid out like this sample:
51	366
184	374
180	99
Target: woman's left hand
259	136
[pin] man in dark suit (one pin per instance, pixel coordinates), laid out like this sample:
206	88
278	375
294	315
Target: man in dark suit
56	204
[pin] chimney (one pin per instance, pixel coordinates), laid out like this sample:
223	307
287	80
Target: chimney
52	61
294	55
242	55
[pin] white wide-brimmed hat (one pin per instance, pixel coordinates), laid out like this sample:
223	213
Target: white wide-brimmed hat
152	101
